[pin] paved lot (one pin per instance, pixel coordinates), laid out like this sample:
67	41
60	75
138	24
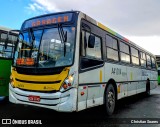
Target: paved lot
133	108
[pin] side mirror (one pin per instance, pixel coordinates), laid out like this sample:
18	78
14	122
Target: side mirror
91	41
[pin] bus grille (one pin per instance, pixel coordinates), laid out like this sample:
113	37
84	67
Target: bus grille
39	82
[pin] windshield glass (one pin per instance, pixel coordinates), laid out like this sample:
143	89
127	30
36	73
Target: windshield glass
44	49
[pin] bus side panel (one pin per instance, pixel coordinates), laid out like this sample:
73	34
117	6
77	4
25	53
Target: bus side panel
5	70
119	74
134	78
145	76
153	82
148	75
91	90
82	98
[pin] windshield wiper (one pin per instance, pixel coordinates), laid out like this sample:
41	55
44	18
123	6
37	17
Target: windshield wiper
33	39
63	36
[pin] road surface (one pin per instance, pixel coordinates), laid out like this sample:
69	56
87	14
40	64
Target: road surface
136	108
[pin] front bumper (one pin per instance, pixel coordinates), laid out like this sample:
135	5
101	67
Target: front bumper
63	102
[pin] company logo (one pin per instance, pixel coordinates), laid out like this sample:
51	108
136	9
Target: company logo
14	121
6	121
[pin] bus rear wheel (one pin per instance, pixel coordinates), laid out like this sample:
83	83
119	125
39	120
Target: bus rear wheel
110	99
147	88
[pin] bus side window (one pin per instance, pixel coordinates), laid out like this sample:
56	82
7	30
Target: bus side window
148	62
134	56
153	63
143	59
5	52
3	37
112	48
124	52
90	56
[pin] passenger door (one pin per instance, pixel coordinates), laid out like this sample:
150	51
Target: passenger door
91	71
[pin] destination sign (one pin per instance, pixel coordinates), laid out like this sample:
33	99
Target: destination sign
47	20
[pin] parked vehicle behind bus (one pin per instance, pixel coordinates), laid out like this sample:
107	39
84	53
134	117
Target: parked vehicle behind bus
6	57
159	75
70	62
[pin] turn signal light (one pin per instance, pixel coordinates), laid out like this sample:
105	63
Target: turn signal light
65	86
69	84
11	81
82	93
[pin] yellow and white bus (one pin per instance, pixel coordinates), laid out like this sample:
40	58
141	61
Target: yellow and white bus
68	62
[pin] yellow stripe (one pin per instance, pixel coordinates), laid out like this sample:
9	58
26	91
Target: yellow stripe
102	26
119	88
131	76
100	76
106	28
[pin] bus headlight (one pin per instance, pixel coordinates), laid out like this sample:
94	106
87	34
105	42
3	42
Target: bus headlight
68	82
11	81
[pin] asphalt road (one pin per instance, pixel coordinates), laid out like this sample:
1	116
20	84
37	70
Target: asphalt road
134	108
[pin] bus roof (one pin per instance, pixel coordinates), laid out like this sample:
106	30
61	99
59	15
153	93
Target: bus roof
4	28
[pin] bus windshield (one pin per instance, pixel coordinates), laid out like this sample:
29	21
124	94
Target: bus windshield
44	49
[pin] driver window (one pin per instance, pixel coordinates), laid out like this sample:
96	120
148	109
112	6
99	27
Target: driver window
90	56
95	52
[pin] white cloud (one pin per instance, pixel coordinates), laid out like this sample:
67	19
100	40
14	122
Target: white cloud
31	6
150	43
35	8
48	5
38	6
133	17
138	18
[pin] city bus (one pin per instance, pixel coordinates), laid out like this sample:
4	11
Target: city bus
6	57
68	61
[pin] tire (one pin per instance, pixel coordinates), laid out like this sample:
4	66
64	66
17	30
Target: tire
148	88
110	100
2	98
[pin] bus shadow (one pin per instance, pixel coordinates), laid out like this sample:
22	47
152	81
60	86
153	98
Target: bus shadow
90	117
129	102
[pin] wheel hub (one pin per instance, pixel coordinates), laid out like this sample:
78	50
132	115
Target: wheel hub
111	99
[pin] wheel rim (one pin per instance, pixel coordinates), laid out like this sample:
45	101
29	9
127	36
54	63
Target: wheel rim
111	101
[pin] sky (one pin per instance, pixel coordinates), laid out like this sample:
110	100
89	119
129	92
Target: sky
137	20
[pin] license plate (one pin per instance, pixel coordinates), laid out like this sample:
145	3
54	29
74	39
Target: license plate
34	98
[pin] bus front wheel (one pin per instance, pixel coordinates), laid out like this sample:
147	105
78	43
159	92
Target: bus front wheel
2	98
110	99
